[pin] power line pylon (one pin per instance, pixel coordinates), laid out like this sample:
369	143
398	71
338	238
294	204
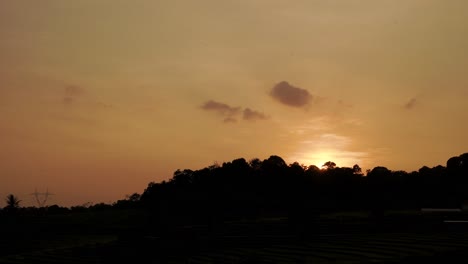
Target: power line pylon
41	198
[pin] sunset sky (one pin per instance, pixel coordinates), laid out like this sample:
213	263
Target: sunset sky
100	97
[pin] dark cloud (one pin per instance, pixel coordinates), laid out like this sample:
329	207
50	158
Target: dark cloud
232	114
250	114
221	108
290	95
411	104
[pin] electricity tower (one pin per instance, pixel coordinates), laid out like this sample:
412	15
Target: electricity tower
41	198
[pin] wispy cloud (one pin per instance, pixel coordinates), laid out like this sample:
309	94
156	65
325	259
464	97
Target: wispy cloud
230	120
71	93
103	105
253	115
73	90
68	100
290	95
344	104
76	119
314	125
411	103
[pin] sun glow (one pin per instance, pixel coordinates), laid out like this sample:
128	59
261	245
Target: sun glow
328	147
318	158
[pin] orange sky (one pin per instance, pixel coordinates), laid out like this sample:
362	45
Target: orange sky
98	98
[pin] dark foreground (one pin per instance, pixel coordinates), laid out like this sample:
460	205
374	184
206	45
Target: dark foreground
126	237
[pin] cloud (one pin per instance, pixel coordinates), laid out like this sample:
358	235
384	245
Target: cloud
232	114
221	108
345	104
103	105
250	114
411	104
68	100
230	120
71	93
76	119
74	91
290	95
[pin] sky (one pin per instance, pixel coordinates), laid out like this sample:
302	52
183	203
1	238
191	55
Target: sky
99	98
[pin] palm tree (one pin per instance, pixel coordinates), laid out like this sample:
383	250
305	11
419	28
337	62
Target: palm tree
13	203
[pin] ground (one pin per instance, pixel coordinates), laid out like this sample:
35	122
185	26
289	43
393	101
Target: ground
126	236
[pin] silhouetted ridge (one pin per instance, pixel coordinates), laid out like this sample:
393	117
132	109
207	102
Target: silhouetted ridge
241	189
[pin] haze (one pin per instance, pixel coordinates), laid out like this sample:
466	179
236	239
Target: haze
98	98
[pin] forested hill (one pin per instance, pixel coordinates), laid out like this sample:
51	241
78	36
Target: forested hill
272	187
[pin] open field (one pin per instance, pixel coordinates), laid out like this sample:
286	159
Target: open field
332	238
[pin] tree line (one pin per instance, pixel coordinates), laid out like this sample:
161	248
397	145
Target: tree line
271	187
259	188
13	206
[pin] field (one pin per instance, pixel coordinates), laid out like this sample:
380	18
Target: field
123	237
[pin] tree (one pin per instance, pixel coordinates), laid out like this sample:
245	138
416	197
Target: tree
13	203
329	165
134	197
274	166
297	169
275	162
357	170
182	178
378	180
457	180
255	163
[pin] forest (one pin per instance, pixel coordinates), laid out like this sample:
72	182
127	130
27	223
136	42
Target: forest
271	187
255	188
256	211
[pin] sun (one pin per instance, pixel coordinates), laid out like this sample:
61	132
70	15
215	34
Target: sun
317	158
320	157
321	160
328	147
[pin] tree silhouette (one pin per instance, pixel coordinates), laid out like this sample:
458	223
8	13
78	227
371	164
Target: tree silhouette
261	188
457	178
255	163
357	170
379	179
329	165
135	197
13	203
